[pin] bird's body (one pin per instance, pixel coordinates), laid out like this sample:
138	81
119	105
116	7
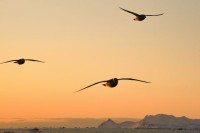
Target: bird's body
112	82
139	17
21	61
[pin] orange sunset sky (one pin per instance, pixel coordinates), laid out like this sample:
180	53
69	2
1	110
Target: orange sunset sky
84	41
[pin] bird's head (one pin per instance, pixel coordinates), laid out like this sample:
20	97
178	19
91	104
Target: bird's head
136	18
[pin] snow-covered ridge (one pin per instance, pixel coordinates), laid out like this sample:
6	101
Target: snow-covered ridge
161	121
111	124
169	121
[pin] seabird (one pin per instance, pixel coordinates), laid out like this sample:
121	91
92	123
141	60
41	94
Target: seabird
21	61
112	82
139	17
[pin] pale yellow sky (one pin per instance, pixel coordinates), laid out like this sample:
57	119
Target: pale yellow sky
84	41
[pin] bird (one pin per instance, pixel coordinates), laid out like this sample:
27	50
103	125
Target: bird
139	17
21	61
112	82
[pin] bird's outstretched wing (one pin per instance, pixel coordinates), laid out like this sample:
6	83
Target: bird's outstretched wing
155	15
133	79
129	11
34	60
8	61
91	85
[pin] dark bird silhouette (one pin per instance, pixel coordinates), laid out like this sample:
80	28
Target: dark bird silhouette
112	82
139	17
21	61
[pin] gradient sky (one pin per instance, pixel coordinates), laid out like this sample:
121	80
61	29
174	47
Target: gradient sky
84	41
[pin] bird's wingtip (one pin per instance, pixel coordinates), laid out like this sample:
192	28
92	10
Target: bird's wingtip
77	91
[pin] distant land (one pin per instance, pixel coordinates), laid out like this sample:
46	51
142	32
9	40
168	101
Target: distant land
160	121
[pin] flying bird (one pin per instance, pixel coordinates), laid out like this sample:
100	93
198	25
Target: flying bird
139	17
21	61
112	82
